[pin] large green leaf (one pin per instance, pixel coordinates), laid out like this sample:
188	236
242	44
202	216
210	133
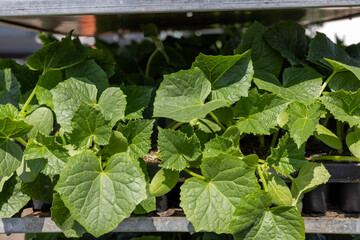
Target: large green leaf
90	70
249	209
9	88
9	111
298	84
290	40
264	57
277	223
344	80
112	103
10	158
287	157
278	190
11	128
176	149
230	76
103	58
138	133
345	106
137	98
353	142
47	82
57	55
68	96
321	47
49	158
63	219
220	145
310	176
209	204
147	205
303	120
117	144
42	188
99	199
340	67
42	120
12	200
89	126
181	96
257	113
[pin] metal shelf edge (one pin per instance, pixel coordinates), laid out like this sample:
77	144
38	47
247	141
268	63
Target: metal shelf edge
172	224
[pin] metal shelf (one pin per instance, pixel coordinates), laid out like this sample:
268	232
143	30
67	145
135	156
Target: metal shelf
325	225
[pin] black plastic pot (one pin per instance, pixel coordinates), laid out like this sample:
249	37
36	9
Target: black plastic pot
316	201
40	206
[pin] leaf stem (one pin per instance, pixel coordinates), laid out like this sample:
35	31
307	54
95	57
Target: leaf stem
327	82
194	174
262	178
336	158
23	109
218	121
274	138
261	161
149	62
174	125
22	141
340	133
262	140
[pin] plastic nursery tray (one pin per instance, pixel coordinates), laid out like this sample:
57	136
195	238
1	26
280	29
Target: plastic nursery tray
342	191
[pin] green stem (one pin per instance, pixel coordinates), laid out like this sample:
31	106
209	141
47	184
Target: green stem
22	141
274	138
336	158
327	82
63	140
174	125
262	140
149	62
325	121
23	110
194	174
262	178
261	161
218	121
339	133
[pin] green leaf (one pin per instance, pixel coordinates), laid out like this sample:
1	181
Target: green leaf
138	133
264	57
11	128
147	205
257	113
68	96
47	158
43	121
89	125
340	67
310	176
353	142
301	85
12	200
3	181
249	209
278	190
220	145
287	157
208	126
9	88
209	205
90	70
230	76
233	133
181	96
42	188
63	219
137	98
176	149
103	59
9	111
10	158
101	198
277	223
345	106
303	121
117	144
163	181
150	30
112	104
47	82
57	55
327	137
290	40
321	47
344	80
